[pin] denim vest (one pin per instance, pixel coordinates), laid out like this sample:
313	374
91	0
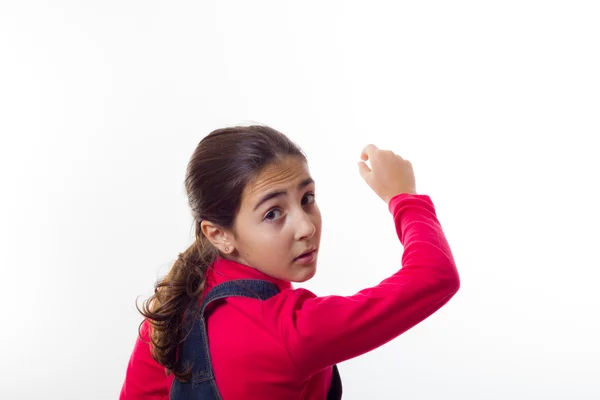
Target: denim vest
195	350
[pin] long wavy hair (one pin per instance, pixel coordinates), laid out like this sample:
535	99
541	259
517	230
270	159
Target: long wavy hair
224	162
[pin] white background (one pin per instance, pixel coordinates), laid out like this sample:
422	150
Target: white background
497	104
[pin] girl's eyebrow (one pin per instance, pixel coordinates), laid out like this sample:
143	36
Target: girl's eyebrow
272	195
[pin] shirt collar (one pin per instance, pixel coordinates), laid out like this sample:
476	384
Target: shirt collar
224	270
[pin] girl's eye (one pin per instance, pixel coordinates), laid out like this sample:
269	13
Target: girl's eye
273	214
308	199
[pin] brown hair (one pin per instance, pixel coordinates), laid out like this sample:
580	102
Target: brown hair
224	162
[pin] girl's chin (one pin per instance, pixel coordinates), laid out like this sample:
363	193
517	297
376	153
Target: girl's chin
305	274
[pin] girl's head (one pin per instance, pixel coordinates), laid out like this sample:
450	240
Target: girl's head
252	199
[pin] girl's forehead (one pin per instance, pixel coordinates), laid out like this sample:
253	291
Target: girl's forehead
282	175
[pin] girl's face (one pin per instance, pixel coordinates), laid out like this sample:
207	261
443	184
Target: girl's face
278	221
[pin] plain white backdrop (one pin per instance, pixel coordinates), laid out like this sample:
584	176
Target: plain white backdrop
497	105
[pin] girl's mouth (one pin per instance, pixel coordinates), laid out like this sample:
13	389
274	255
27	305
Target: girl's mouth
306	258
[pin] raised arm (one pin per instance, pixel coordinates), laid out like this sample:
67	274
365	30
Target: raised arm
332	329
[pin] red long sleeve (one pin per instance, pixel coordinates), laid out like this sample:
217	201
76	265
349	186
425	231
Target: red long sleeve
332	329
284	347
145	378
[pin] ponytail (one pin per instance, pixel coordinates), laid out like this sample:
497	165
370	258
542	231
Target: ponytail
175	295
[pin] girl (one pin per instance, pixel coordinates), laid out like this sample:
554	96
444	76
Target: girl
258	229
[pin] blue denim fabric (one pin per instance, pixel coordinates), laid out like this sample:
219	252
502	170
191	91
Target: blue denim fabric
195	350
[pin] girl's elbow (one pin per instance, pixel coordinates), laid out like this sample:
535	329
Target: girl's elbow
452	283
449	283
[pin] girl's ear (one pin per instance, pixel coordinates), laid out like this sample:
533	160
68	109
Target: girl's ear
218	236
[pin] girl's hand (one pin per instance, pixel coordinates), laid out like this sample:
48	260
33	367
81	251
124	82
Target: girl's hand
389	174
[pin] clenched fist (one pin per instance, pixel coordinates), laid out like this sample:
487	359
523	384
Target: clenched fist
389	174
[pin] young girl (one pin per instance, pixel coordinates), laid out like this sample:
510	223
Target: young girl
226	323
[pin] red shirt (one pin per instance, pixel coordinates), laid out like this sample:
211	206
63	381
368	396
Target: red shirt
284	347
